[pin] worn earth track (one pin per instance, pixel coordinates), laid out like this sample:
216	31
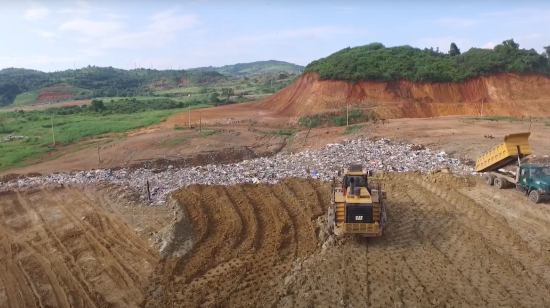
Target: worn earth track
451	242
64	248
246	237
449	245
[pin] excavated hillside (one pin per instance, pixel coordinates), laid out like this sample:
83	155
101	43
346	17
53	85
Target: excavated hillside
501	95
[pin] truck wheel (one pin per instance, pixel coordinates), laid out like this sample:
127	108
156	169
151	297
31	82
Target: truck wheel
534	196
489	179
500	183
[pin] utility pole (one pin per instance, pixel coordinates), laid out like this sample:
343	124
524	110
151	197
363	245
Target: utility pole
53	134
482	107
200	121
189	113
347	114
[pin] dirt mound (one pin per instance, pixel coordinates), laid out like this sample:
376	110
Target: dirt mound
502	95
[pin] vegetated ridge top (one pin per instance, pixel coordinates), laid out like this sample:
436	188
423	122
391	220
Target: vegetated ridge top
103	81
375	62
253	68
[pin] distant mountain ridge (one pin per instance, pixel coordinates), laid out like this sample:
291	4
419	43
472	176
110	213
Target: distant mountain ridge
254	68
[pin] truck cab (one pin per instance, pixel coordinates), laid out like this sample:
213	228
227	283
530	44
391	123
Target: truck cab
531	179
534	178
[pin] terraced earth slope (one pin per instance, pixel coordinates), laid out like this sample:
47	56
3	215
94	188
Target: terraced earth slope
451	242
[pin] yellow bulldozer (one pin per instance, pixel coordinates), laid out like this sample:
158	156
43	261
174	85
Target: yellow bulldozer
357	206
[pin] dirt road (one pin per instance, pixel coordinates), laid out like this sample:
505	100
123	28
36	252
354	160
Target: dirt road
450	243
70	247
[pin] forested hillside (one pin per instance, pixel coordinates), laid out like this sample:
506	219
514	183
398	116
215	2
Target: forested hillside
375	62
94	81
259	67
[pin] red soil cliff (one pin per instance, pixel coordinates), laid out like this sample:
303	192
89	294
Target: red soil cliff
501	95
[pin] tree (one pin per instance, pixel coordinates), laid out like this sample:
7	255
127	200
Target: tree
214	97
97	105
454	51
227	92
310	123
507	47
546	51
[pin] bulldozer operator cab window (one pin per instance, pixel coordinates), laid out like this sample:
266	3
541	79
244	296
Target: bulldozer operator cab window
359	181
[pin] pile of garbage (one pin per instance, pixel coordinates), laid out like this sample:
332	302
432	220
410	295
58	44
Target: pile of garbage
381	155
12	138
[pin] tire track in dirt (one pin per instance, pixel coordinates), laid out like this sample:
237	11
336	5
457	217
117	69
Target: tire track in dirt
7	266
122	275
289	244
242	236
23	291
249	217
245	266
449	282
72	278
525	219
505	267
33	247
92	223
122	234
402	241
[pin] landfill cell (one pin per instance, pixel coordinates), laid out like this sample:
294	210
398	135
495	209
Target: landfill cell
443	248
451	242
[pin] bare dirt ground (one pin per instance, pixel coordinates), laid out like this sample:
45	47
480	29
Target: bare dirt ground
74	247
245	126
451	242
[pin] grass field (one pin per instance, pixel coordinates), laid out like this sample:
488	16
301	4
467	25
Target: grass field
26	99
35	126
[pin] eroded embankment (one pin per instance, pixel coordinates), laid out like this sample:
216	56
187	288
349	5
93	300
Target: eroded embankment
502	95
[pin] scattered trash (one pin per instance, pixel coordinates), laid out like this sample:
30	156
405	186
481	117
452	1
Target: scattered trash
374	155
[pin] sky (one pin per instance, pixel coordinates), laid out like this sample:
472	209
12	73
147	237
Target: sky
50	35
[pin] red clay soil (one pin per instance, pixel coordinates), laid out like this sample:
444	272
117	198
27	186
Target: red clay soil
501	95
53	94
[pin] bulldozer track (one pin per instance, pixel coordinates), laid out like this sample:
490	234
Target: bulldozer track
447	244
54	257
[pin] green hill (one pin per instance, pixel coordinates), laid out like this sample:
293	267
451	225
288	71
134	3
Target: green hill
378	63
252	68
27	85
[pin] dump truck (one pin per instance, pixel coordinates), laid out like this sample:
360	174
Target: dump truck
533	180
357	206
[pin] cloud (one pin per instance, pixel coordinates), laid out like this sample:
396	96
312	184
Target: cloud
444	43
489	45
82	55
457	22
36	12
315	33
163	28
92	28
44	33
